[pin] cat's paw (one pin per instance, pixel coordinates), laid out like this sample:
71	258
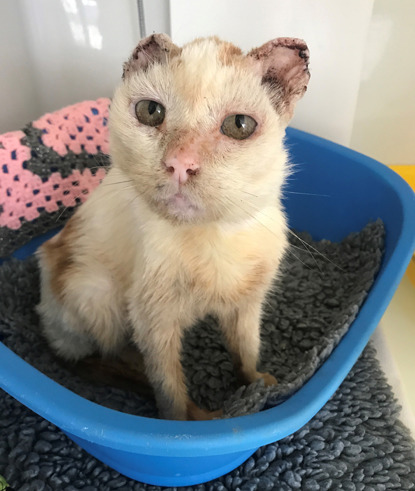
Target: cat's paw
268	378
245	379
196	413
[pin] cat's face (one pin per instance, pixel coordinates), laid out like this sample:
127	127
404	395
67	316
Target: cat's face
198	131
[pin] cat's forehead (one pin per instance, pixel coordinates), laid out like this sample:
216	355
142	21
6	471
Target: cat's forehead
199	63
204	59
212	49
210	69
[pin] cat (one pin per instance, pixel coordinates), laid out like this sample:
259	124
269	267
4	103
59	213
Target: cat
188	220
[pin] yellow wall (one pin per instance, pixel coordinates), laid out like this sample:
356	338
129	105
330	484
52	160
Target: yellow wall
408	173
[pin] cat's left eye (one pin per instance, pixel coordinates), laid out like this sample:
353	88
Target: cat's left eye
238	126
150	113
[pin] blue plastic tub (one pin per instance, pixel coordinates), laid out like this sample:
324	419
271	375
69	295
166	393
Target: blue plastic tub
343	192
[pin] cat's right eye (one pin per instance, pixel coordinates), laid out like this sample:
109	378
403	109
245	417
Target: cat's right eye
150	113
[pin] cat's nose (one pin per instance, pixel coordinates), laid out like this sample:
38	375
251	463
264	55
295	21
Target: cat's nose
181	166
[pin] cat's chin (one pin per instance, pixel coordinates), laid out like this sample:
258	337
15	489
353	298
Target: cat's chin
180	208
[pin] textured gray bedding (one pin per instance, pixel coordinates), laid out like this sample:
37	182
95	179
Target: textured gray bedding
355	442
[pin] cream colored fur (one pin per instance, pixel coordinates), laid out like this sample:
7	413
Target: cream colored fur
135	266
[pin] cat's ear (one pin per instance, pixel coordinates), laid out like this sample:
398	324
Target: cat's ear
283	66
157	48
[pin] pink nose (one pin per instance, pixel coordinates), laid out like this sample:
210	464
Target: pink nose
181	166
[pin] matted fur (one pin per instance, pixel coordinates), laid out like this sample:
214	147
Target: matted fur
146	256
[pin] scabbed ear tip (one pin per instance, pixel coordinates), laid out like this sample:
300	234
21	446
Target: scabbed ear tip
283	63
278	45
155	48
291	42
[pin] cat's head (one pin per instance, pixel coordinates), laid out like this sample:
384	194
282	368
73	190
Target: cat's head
199	129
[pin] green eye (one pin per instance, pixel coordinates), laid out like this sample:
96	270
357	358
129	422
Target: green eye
238	126
150	113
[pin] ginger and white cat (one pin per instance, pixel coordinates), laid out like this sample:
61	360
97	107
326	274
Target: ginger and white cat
188	220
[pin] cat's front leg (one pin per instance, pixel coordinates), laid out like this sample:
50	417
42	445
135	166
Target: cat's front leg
159	338
241	327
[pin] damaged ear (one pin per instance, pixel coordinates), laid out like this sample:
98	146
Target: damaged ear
283	64
157	48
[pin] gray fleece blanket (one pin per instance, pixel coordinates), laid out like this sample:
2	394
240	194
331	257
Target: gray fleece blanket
355	442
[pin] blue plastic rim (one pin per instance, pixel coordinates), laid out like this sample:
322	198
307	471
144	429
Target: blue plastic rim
333	192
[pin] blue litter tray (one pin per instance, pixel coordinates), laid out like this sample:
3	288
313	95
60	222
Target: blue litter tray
343	191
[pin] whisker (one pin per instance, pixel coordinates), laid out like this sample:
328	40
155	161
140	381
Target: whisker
311	254
306	244
131	201
307	194
269	230
316	250
125	188
250	194
119	182
297	258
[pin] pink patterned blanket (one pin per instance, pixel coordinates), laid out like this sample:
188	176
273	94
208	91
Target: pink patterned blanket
49	168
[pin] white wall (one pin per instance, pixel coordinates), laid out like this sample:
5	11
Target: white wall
18	96
384	125
78	47
58	52
157	16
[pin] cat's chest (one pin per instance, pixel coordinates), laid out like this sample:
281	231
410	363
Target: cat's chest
226	276
210	267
